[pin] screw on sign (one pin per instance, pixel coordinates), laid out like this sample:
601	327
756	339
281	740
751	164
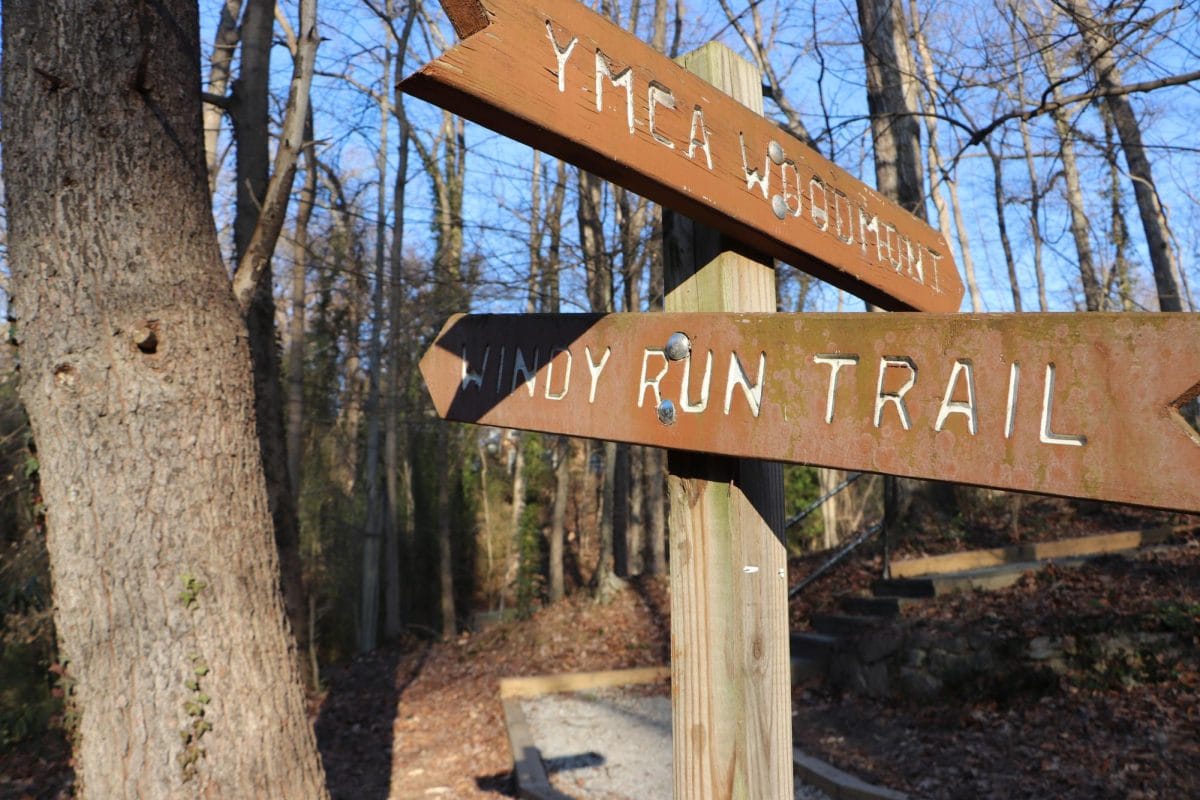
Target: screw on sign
565	80
1080	405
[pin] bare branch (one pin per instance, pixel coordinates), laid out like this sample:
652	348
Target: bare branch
1048	105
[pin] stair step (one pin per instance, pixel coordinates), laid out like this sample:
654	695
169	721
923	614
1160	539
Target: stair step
1083	546
885	606
815	646
806	669
843	624
991	578
908	588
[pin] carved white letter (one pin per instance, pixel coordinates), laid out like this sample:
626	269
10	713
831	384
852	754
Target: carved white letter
566	374
595	369
835	362
623	78
1010	409
738	377
949	406
752	176
521	368
1047	401
473	378
653	382
698	127
897	397
561	54
685	400
659	96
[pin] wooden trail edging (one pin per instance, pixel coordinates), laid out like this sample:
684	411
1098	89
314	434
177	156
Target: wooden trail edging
533	783
528	769
1098	544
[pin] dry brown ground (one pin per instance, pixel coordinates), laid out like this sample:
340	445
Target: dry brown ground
422	720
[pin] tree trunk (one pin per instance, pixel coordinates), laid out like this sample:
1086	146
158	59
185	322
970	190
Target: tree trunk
828	480
445	472
1001	201
656	500
250	117
937	173
892	103
376	512
136	376
1099	46
1093	297
224	43
397	461
635	531
297	322
895	130
558	516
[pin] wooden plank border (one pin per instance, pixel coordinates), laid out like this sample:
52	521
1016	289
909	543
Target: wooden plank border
528	769
1038	551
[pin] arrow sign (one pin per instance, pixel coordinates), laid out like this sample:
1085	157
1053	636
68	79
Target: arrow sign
565	80
1083	405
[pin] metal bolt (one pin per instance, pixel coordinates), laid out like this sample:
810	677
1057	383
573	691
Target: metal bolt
779	206
775	151
666	412
678	347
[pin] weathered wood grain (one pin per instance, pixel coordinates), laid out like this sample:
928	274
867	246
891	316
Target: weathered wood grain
565	80
1082	405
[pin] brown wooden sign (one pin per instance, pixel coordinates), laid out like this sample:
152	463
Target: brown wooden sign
1082	405
564	79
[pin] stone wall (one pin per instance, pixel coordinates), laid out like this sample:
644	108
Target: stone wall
914	659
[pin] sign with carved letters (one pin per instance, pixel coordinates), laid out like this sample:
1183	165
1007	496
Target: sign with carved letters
559	77
1083	405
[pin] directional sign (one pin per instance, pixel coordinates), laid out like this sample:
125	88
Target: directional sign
561	78
1083	405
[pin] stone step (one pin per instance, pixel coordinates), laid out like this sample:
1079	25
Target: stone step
814	646
884	606
844	624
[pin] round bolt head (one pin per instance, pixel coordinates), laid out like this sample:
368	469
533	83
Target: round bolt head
666	412
779	206
678	347
775	151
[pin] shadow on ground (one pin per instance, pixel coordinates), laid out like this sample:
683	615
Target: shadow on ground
355	725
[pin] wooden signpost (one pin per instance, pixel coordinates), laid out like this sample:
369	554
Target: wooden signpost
557	76
1080	405
1077	405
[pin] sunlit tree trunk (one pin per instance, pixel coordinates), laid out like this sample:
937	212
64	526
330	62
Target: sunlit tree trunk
938	176
136	376
220	64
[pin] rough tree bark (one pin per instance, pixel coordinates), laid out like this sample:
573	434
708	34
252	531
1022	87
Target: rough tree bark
136	375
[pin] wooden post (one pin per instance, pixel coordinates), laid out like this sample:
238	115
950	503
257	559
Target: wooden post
730	687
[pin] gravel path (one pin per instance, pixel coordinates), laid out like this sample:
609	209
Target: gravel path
609	745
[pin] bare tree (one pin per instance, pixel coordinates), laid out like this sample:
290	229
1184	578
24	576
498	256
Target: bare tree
1099	44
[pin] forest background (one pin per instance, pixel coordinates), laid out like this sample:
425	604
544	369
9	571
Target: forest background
1059	158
